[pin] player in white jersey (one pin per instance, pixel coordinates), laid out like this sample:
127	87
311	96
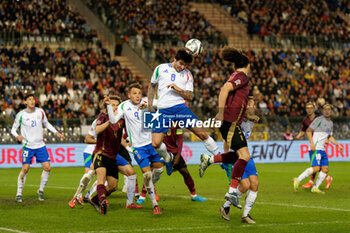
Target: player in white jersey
175	87
318	132
150	162
124	167
31	121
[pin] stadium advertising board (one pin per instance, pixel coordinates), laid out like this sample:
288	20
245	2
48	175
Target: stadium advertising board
71	155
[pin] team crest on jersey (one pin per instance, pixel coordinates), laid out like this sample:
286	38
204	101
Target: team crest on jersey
129	109
237	82
165	71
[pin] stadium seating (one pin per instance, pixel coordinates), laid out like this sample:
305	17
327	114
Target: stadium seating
69	83
47	21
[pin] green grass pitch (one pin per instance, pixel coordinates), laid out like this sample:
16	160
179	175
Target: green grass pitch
278	207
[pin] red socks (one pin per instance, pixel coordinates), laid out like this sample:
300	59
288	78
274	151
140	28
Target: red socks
228	157
237	172
190	184
101	192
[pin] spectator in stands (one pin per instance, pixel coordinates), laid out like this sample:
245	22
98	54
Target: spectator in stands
288	135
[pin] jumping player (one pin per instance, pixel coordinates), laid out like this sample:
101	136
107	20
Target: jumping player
233	99
175	86
249	181
318	132
310	116
31	121
150	162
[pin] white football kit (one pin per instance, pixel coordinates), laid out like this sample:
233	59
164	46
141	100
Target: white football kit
32	127
164	75
322	128
138	136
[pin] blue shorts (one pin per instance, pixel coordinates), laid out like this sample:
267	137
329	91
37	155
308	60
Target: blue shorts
146	155
320	159
179	113
87	160
121	161
250	170
40	154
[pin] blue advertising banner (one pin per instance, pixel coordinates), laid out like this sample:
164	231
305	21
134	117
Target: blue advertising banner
71	155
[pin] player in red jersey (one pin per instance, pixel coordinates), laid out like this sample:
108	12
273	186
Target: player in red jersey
233	100
107	146
174	142
310	116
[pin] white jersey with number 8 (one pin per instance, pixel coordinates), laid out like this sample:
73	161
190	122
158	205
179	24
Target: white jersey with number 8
164	75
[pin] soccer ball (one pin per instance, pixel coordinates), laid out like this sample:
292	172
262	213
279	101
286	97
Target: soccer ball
194	47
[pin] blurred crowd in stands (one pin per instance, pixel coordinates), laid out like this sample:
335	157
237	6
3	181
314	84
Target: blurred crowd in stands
70	83
295	17
281	81
43	17
67	83
151	22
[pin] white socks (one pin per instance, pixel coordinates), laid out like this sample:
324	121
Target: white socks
20	183
227	204
131	189
43	180
92	190
249	202
231	190
320	178
239	194
84	182
156	173
211	160
150	187
163	152
308	172
211	146
125	185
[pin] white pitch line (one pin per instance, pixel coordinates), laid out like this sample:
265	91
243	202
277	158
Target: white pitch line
218	227
12	230
217	199
269	203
